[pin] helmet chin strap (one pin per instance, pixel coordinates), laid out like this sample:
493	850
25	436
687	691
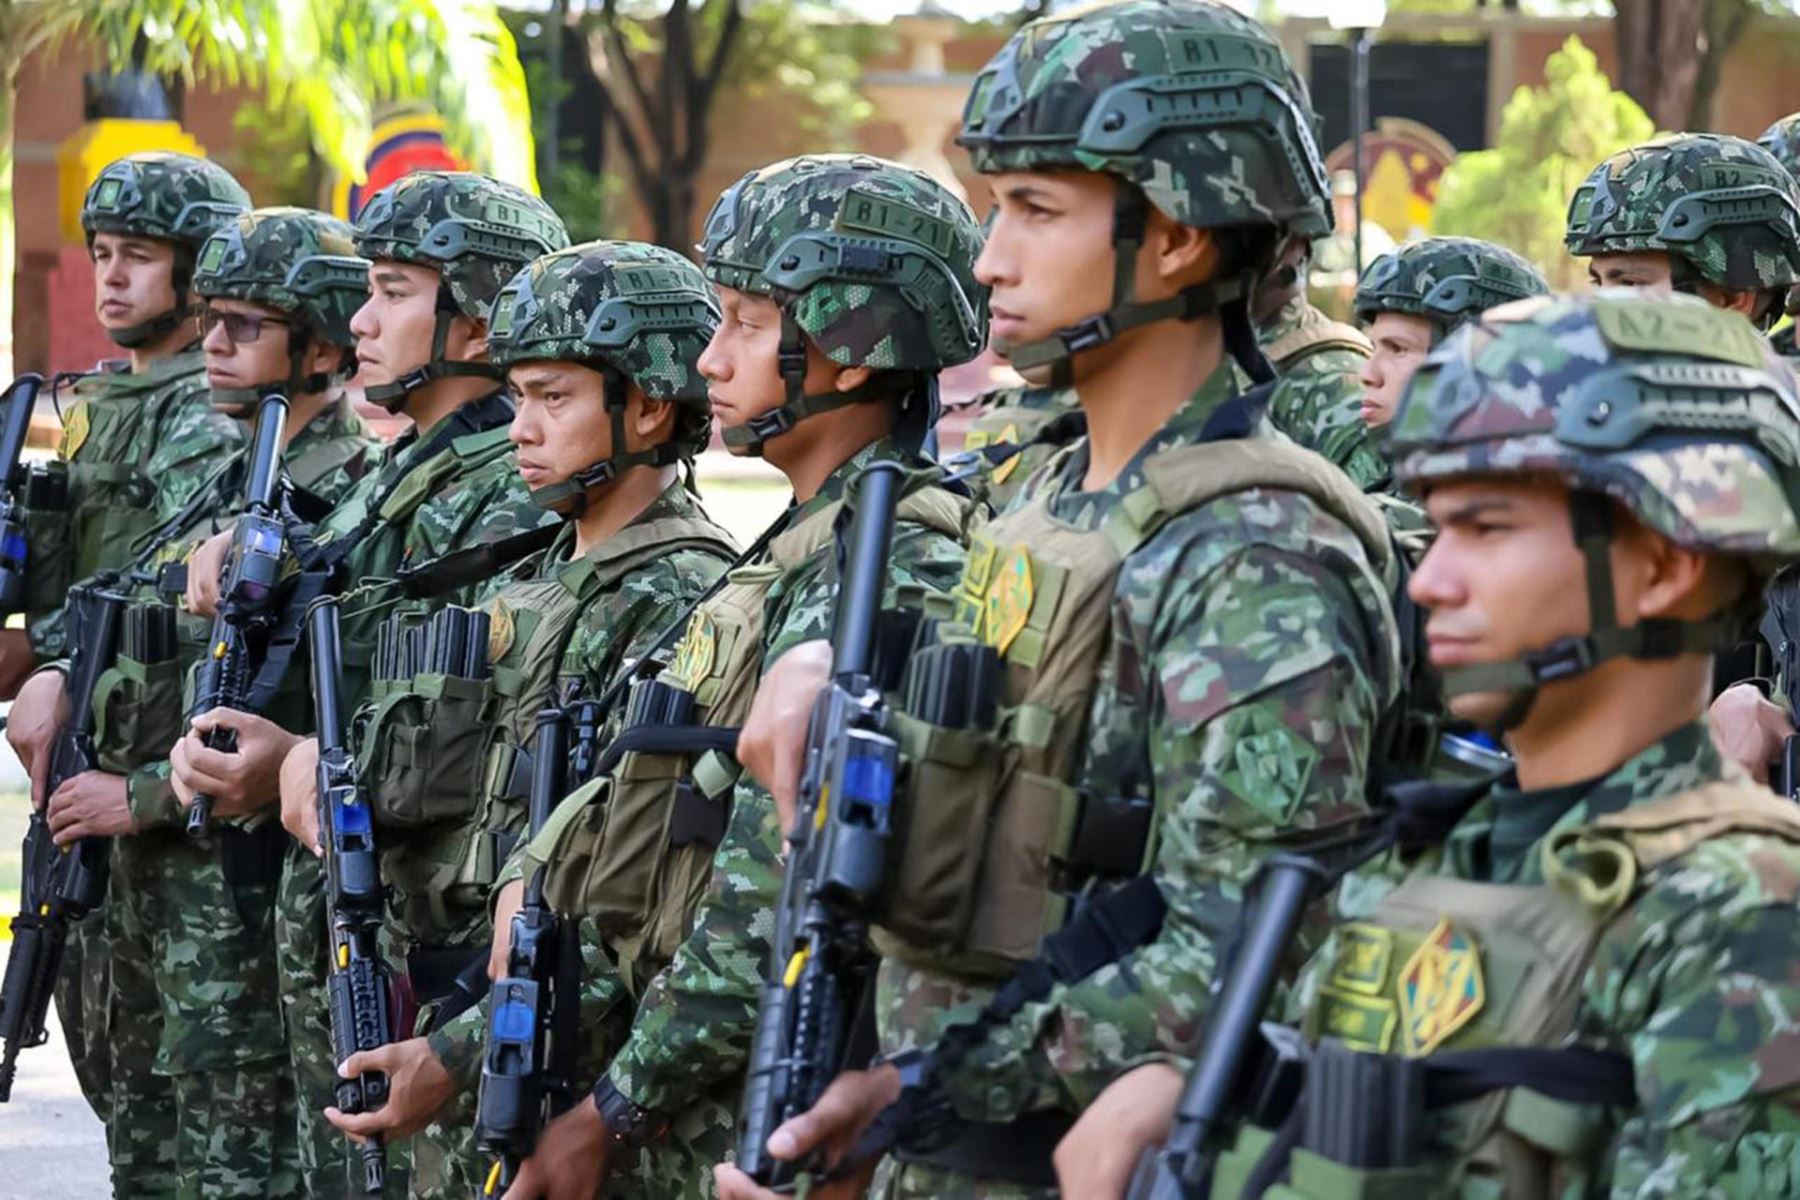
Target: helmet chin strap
392	396
1591	519
750	436
1229	298
243	402
569	497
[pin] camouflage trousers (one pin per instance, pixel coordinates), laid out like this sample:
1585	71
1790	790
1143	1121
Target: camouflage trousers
330	1164
911	1181
80	992
141	1114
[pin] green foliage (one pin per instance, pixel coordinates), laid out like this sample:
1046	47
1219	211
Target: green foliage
797	51
590	208
273	156
1517	194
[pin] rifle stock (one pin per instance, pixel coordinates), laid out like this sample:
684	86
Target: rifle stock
836	859
246	593
360	985
58	886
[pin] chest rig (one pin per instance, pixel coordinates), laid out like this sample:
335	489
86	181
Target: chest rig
633	847
1021	805
449	755
1448	972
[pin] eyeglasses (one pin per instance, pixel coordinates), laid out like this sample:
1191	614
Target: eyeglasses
240	328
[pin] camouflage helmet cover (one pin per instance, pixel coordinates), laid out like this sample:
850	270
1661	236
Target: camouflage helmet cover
1447	280
1782	139
1677	410
875	261
1724	206
293	259
475	230
1192	101
643	310
160	194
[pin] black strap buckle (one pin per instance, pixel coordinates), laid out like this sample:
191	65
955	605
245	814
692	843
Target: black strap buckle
1564	658
771	424
1085	335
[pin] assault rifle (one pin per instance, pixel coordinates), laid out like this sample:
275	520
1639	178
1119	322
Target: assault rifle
14	483
247	609
361	988
58	885
836	857
1232	1073
527	1070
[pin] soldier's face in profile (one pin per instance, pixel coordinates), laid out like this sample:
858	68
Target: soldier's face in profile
1648	269
1402	341
742	361
1502	579
1048	257
560	425
246	344
134	279
394	327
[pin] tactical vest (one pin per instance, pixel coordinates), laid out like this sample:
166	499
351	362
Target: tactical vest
1315	334
999	827
1446	964
448	765
1009	424
633	848
109	436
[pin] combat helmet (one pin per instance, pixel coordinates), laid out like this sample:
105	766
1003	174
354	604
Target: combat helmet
1194	108
1446	280
173	198
873	261
296	260
476	232
1678	412
640	315
1724	210
1782	139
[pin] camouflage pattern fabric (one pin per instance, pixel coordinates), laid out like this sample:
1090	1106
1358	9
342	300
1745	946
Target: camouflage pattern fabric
1782	139
1497	398
163	195
138	445
1015	417
292	259
1447	280
1317	399
1692	980
1252	654
474	230
1722	208
1249	157
691	1034
873	260
613	623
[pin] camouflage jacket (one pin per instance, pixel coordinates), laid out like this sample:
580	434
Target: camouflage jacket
693	1027
1016	416
1251	653
138	445
1693	979
612	628
1318	399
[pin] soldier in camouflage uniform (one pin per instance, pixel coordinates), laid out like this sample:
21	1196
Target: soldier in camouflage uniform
1782	139
140	439
600	342
1191	614
1318	362
823	370
442	245
1627	891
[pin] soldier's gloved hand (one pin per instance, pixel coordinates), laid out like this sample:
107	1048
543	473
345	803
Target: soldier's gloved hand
241	781
16	661
418	1089
40	711
205	565
848	1107
1096	1158
300	794
507	902
1749	729
772	746
91	804
570	1160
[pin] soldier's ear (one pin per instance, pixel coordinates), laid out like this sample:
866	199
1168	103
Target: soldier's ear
652	421
472	334
850	378
1183	255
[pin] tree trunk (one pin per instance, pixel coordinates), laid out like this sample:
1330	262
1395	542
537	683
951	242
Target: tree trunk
1660	43
1725	23
9	237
